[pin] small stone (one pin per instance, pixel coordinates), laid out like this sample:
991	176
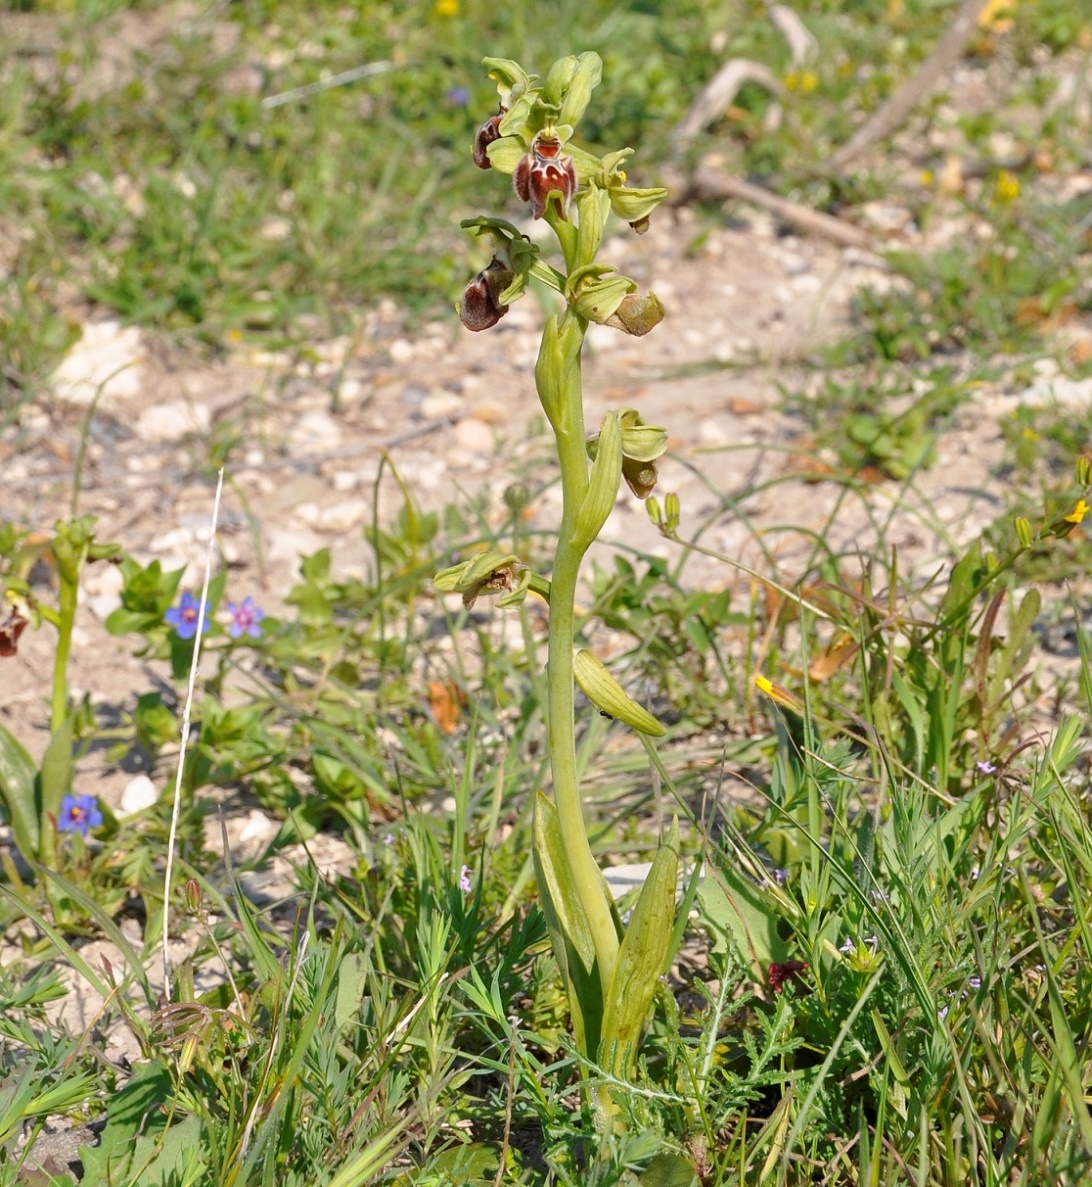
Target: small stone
139	793
173	421
474	436
106	359
343	516
103	605
440	405
316	430
400	350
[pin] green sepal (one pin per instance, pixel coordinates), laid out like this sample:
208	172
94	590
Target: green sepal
558	358
641	442
567	924
512	79
633	205
587	75
602	490
464	576
593	206
596	291
608	696
642	959
506	153
558	78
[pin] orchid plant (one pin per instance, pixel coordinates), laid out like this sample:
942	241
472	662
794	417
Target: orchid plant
611	972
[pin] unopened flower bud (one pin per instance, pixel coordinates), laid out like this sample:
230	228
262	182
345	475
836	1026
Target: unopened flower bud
487	133
545	170
481	306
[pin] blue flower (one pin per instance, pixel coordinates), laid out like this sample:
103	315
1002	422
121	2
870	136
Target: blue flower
246	619
79	814
184	616
457	97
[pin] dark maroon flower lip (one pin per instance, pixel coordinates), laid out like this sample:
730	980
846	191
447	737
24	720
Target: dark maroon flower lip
10	630
487	133
545	170
481	307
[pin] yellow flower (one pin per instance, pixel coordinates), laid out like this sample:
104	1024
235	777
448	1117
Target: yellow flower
803	81
1006	188
1078	513
447	8
1029	434
927	177
779	695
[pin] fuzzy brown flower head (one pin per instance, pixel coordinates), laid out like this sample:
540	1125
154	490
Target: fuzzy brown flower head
481	306
545	170
487	133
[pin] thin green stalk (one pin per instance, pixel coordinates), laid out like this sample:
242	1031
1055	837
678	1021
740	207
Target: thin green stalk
569	432
67	601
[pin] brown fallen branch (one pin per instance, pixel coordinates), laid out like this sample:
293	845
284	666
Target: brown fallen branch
891	114
707	183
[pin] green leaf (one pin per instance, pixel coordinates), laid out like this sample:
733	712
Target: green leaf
568	926
668	1170
745	914
641	959
136	1146
18	789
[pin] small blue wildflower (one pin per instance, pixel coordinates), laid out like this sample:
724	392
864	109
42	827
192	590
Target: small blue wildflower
465	884
79	814
974	982
986	768
388	839
184	616
458	97
246	618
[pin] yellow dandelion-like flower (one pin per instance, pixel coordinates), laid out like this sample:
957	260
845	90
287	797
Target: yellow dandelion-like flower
927	178
1078	513
1030	434
447	8
1007	187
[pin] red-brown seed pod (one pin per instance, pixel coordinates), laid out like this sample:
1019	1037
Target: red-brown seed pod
487	133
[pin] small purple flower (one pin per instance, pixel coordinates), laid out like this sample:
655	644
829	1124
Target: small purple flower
79	814
457	97
974	983
246	618
184	616
986	768
388	839
465	884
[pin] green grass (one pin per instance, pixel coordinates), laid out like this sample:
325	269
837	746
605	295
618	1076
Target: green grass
886	968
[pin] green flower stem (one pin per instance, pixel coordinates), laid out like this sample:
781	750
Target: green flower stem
66	620
569	432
